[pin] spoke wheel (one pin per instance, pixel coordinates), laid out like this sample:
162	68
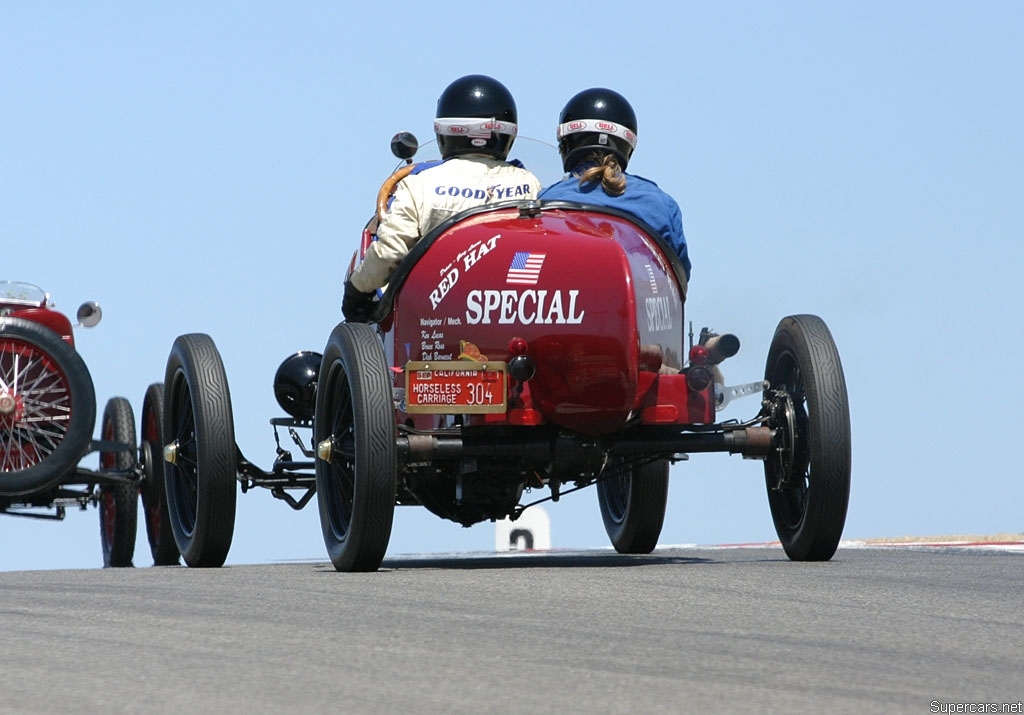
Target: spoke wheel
201	459
154	502
808	475
633	503
357	467
47	407
119	502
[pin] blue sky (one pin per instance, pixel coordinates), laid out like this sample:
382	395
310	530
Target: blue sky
207	167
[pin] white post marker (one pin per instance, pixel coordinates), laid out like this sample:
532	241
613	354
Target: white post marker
530	532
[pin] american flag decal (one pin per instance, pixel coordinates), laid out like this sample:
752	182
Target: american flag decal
525	268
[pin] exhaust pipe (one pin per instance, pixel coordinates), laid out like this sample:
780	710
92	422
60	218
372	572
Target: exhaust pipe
721	347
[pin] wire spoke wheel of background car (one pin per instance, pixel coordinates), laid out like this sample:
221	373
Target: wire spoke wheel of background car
118	502
355	416
808	476
200	465
154	503
633	502
47	407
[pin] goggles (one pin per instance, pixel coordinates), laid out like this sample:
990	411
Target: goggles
473	127
599	126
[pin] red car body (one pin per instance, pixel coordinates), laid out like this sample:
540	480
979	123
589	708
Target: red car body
52	319
598	307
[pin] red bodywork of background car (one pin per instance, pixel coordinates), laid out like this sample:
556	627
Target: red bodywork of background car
52	319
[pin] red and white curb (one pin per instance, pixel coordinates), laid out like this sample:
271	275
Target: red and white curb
967	544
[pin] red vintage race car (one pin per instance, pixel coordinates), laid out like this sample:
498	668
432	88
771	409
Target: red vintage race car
521	346
47	416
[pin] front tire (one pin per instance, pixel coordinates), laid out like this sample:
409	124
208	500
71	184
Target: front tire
200	465
633	503
47	407
118	502
354	430
808	476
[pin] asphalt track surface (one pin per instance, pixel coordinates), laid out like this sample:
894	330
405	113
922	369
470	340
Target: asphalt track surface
682	630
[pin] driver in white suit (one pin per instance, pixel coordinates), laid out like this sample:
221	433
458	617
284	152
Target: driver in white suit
475	128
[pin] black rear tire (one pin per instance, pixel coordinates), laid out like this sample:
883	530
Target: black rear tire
633	505
808	477
356	485
159	533
199	481
119	502
43	434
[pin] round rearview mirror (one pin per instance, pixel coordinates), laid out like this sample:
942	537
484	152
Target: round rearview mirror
404	145
89	314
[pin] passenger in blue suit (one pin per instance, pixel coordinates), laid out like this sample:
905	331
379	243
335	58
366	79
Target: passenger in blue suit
596	137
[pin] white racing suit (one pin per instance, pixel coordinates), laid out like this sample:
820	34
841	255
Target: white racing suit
429	197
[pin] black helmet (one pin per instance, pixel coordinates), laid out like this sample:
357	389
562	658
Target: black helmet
295	384
596	119
466	100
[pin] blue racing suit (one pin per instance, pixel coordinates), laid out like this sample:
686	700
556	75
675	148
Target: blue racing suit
642	198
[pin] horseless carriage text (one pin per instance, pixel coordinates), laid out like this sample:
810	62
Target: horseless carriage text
521	346
47	416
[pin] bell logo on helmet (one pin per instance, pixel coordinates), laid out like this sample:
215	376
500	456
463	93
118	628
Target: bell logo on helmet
606	126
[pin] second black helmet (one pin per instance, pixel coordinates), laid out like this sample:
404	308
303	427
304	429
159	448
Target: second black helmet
596	119
476	114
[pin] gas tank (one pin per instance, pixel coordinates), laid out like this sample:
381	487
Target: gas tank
591	294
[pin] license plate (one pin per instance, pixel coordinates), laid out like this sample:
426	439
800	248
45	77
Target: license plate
455	386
